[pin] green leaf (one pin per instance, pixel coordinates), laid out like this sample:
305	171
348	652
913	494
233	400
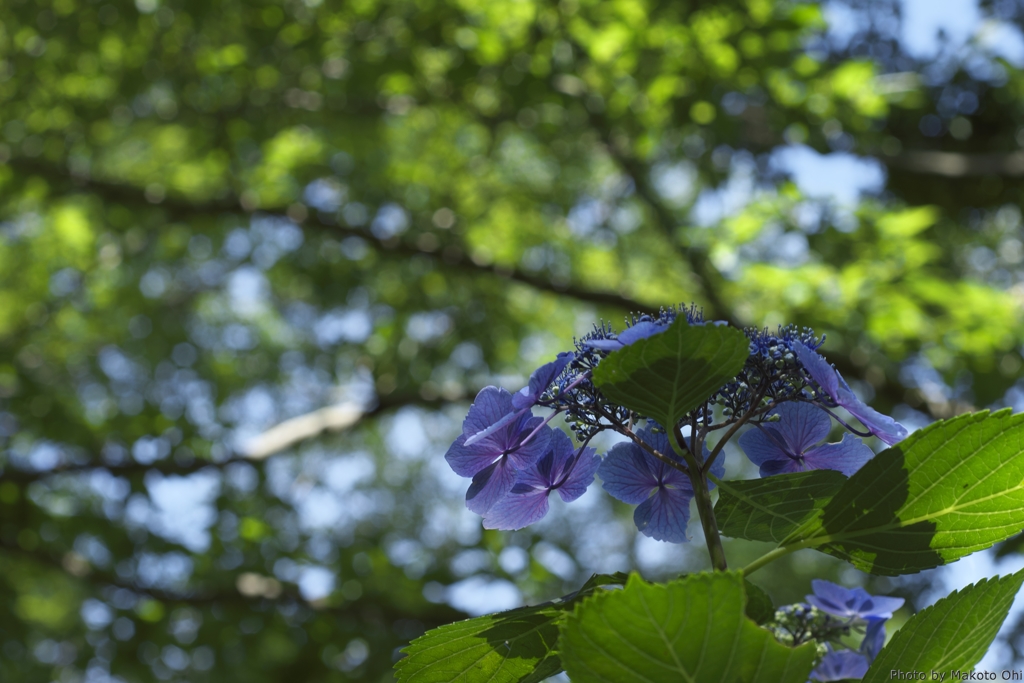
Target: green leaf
760	607
944	492
953	634
509	647
668	375
687	631
517	646
772	508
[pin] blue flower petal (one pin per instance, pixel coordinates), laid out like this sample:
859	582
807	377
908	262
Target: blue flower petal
884	427
491	405
539	474
760	448
581	476
540	380
640	331
832	598
851	603
880	607
874	638
821	372
847	456
604	344
523	455
801	425
518	509
626	473
664	515
466	460
787	466
490	485
483	434
840	666
548	469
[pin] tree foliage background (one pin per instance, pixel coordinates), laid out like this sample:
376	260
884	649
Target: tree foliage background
256	258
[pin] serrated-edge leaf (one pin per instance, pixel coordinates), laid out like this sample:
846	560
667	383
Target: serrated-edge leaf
694	361
665	633
952	634
421	666
782	502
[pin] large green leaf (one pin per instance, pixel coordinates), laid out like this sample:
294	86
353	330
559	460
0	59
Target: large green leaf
771	509
945	492
668	375
953	634
517	646
688	631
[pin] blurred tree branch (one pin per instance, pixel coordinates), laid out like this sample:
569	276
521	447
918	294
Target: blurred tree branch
956	164
449	256
78	568
274	440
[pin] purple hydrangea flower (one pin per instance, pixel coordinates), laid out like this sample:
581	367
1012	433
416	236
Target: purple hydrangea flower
851	603
832	383
661	492
642	330
840	665
563	468
494	460
789	444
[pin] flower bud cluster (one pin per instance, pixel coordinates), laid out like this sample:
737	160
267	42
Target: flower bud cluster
801	623
772	373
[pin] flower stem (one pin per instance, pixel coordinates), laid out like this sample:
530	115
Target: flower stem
770	556
702	495
754	408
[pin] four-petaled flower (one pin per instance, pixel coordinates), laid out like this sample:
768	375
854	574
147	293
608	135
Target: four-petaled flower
494	460
789	444
840	665
661	491
564	468
851	603
832	383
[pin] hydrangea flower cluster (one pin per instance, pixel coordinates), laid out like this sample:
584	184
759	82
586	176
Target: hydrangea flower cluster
784	396
831	614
